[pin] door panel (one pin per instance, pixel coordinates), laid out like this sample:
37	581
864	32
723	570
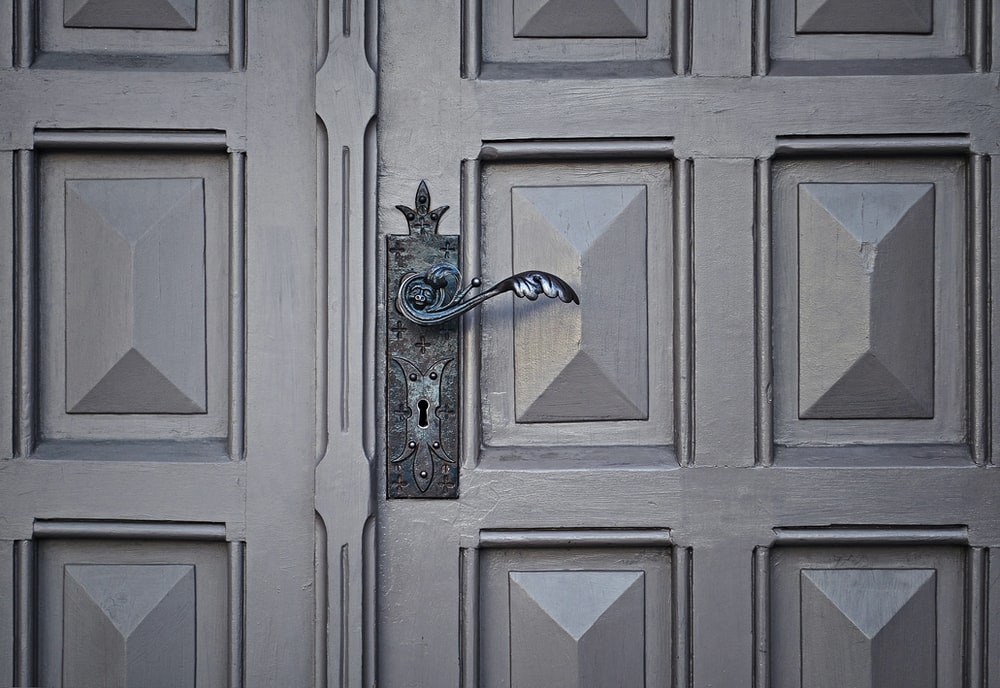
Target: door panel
606	621
605	226
156	470
779	359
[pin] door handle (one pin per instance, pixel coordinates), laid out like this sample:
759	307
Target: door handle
434	296
424	286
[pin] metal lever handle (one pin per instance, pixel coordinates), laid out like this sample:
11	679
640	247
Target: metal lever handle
422	349
436	295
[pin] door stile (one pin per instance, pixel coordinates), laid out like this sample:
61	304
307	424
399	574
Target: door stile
346	158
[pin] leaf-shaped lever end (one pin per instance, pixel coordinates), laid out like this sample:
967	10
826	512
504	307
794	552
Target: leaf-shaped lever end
434	296
534	283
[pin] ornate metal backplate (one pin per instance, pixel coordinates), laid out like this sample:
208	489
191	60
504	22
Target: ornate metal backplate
426	299
422	375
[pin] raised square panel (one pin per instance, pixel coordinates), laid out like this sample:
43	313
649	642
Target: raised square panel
133	318
867	616
604	365
141	34
857	622
864	16
861	36
571	18
131	14
575	617
866	300
555	35
577	628
135	613
142	618
869	301
596	234
135	296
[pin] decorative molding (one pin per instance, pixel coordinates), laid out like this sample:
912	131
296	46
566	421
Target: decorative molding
838	598
237	305
224	365
64	531
903	535
575	538
579	149
129	139
764	368
787	422
129	530
938	144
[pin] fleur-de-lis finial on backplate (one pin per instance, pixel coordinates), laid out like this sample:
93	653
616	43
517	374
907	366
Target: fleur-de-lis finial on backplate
420	218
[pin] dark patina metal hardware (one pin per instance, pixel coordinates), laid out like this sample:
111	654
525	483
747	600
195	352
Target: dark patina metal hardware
434	296
422	348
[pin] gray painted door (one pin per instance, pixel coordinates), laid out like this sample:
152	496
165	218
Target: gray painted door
758	452
157	343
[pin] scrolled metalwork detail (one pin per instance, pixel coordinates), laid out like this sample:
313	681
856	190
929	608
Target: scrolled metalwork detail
423	360
436	295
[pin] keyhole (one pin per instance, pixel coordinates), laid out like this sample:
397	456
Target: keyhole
422	406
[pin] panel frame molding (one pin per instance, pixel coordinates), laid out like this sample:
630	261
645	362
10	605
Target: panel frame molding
916	540
32	16
672	57
591	543
780	50
503	448
26	561
28	414
974	346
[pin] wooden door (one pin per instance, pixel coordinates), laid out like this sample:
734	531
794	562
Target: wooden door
759	451
157	343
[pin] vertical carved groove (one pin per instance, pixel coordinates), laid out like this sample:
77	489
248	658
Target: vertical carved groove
681	48
682	591
345	286
979	288
322	287
26	287
371	33
472	34
322	32
468	620
237	35
345	617
979	33
683	334
761	32
371	274
25	34
761	611
237	285
368	609
469	421
322	577
24	613
762	270
236	588
345	27
977	604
